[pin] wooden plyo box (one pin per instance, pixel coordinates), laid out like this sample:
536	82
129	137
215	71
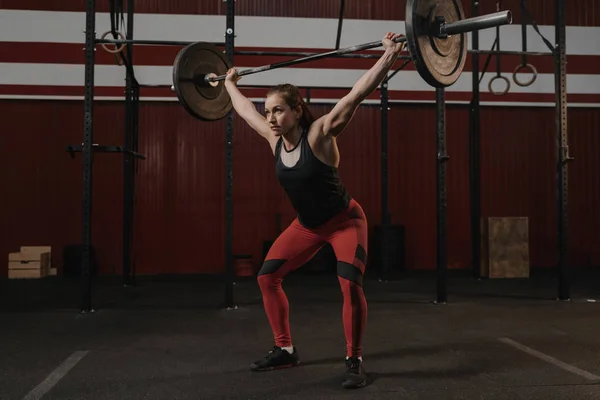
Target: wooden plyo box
32	262
505	247
36	251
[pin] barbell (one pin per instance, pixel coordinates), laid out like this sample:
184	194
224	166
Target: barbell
435	31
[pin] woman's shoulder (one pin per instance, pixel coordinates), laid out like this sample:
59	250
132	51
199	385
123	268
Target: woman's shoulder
317	139
316	128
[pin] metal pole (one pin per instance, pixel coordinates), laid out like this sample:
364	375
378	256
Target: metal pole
128	160
474	157
150	42
312	57
385	215
136	160
340	22
511	52
229	272
88	157
386	219
563	151
466	25
442	157
309	54
477	23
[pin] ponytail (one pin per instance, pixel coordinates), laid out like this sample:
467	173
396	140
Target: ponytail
307	118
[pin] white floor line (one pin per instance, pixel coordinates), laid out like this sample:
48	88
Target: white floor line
55	376
551	360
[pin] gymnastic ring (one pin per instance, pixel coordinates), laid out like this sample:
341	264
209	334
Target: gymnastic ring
519	68
117	50
505	79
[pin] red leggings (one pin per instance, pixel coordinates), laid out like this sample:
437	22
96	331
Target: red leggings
347	234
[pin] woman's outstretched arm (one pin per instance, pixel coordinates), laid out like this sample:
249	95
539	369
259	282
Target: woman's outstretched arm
336	120
245	108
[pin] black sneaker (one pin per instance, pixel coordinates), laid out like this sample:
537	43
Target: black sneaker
355	376
277	358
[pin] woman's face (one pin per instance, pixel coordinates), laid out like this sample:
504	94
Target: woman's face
280	117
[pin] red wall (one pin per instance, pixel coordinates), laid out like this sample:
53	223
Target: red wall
180	188
581	13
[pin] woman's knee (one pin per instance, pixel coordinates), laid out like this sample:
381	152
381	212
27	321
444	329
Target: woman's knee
263	280
349	274
269	282
267	275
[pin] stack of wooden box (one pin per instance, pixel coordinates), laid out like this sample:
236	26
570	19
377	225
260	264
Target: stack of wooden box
32	262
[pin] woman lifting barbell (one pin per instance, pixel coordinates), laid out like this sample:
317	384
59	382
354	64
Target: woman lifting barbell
307	159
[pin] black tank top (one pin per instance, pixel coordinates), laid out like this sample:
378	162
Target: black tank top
313	187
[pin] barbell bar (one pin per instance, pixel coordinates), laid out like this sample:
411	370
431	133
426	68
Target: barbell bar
306	54
442	30
435	32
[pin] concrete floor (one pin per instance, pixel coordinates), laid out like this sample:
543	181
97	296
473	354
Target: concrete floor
171	340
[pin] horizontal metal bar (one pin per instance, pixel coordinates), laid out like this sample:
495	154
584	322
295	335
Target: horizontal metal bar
308	54
477	23
311	57
508	53
141	85
151	42
242	52
147	85
299	87
105	149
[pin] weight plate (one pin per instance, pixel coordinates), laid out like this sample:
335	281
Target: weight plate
439	61
202	100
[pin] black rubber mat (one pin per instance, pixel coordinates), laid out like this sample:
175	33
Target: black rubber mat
172	339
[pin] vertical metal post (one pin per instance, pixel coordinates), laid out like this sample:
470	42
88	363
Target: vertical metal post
128	159
385	215
560	57
135	131
340	22
88	156
442	158
474	156
229	272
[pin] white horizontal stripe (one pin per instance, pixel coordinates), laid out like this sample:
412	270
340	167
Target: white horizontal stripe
580	40
581	84
114	75
482	103
313	101
69	27
69	75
